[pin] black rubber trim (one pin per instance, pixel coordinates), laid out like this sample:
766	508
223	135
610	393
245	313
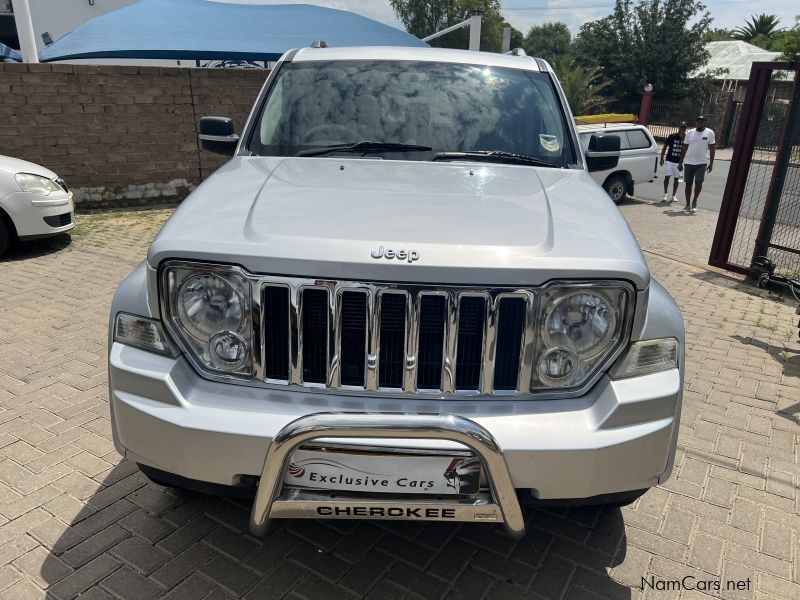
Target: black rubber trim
245	490
617	498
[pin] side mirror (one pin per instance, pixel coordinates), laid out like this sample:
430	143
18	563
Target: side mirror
603	152
217	135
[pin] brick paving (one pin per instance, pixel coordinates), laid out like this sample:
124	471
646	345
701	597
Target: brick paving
76	521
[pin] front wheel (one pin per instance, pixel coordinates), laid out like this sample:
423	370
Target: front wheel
616	187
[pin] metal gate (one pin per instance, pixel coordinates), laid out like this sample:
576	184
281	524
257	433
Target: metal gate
760	214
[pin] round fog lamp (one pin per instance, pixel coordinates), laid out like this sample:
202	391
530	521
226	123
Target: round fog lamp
228	350
558	367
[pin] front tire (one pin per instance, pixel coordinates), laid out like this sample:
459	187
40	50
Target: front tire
6	236
616	186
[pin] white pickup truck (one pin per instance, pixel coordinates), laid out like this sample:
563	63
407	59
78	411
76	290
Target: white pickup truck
638	158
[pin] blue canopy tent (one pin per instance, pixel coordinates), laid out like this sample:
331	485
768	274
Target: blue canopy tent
9	54
203	29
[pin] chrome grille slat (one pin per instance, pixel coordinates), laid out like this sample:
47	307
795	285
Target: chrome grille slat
527	344
489	344
450	343
258	340
295	341
334	339
373	339
412	343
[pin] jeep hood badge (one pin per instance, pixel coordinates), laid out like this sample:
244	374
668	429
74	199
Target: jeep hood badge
408	255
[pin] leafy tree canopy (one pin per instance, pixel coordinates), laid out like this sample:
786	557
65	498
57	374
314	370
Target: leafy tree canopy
720	34
791	42
762	25
550	41
425	17
650	41
582	85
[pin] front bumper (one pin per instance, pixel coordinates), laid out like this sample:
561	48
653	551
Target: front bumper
620	436
31	213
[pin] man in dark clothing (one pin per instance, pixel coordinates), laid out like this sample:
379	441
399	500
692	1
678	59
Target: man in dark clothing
672	150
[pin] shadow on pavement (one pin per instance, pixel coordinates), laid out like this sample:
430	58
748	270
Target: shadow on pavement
37	248
748	287
137	539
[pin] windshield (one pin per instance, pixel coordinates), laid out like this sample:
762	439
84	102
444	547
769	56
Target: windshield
449	107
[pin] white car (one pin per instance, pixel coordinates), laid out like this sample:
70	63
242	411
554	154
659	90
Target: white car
34	202
638	158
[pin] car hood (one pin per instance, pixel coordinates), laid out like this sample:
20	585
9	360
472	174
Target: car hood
469	223
13	166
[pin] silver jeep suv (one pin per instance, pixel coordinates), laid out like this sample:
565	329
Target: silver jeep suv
403	298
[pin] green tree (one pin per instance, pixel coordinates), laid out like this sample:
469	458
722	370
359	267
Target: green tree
758	25
791	43
550	41
772	42
653	41
425	17
583	86
720	35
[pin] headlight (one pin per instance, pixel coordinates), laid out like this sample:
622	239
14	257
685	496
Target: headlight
36	184
581	326
583	321
208	309
208	304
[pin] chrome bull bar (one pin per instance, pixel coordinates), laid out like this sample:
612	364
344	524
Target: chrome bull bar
500	505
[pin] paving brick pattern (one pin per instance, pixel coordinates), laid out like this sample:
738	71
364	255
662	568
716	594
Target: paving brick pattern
76	521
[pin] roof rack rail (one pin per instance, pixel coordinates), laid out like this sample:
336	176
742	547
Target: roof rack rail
319	44
517	52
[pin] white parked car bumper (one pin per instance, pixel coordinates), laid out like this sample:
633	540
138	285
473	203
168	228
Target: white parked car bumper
37	216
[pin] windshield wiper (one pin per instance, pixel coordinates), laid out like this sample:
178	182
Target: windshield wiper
498	156
364	148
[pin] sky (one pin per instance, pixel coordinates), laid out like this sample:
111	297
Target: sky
524	13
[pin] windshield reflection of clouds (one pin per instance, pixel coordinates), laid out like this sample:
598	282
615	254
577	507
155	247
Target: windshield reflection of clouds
447	106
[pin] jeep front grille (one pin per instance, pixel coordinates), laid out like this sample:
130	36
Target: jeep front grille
394	338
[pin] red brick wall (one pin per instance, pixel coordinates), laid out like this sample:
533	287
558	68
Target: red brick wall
119	135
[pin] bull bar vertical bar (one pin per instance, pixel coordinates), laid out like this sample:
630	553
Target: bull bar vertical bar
393	426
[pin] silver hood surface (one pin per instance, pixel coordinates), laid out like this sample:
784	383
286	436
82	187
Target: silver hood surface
471	223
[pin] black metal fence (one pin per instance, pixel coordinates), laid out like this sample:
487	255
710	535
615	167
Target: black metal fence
760	213
666	115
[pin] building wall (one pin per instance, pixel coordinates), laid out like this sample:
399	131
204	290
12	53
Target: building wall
120	135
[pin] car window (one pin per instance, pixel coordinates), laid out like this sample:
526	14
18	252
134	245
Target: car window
638	139
447	106
623	139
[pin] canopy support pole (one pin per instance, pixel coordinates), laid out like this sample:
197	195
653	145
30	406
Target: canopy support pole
474	24
27	39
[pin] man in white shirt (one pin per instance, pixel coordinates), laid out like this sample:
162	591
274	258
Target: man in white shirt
697	157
